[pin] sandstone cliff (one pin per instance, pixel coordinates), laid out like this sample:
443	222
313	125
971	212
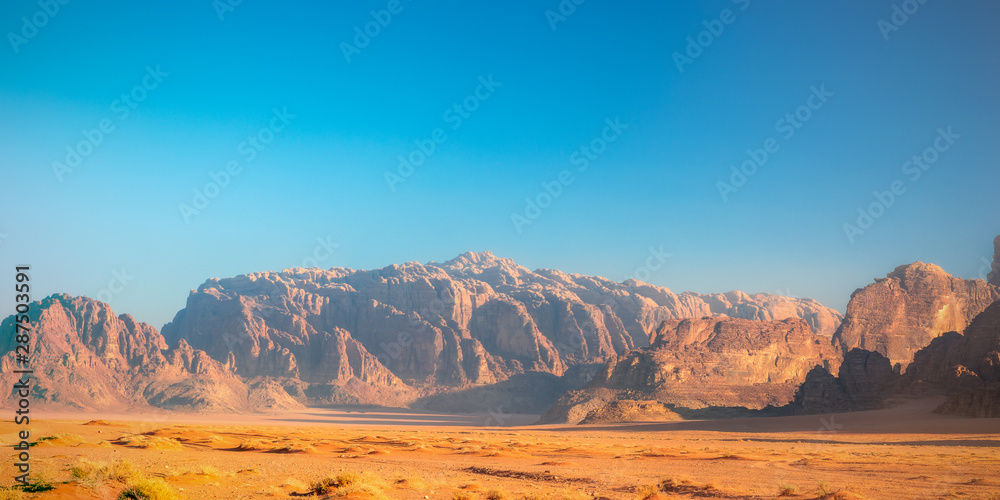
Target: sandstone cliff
707	362
900	314
476	319
964	367
86	357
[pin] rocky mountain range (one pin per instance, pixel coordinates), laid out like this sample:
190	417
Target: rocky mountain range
474	320
394	336
479	332
86	357
906	321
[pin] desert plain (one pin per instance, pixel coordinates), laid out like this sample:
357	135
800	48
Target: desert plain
904	452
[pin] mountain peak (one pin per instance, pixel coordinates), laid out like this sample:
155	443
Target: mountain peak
481	260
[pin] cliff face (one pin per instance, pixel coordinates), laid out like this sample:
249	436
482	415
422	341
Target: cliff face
864	381
697	363
86	357
476	319
964	367
900	314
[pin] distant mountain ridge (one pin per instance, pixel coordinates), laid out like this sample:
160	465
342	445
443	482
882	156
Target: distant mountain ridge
474	319
392	336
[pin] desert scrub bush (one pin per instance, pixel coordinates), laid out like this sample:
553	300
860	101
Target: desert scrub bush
824	488
122	471
463	495
11	494
250	445
787	489
496	495
149	489
39	484
644	492
327	484
348	483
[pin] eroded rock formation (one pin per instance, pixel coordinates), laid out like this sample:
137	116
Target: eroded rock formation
707	362
86	357
476	319
902	313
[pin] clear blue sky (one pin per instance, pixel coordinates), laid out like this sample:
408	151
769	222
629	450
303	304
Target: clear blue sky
323	175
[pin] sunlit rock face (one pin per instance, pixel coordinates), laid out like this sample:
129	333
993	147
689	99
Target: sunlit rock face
475	319
900	314
86	357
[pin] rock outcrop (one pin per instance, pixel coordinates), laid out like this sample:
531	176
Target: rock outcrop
864	382
86	357
476	319
902	313
707	362
983	402
956	362
628	410
964	367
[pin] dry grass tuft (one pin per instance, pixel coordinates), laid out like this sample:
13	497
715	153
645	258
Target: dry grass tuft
149	489
122	471
11	494
785	490
496	494
348	484
251	445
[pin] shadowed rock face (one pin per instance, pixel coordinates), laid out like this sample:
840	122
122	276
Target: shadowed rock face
956	362
864	381
86	357
964	367
900	314
476	319
698	363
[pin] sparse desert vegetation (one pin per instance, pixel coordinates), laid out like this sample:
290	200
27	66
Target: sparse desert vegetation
758	458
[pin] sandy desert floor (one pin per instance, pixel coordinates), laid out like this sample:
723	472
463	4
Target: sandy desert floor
901	453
